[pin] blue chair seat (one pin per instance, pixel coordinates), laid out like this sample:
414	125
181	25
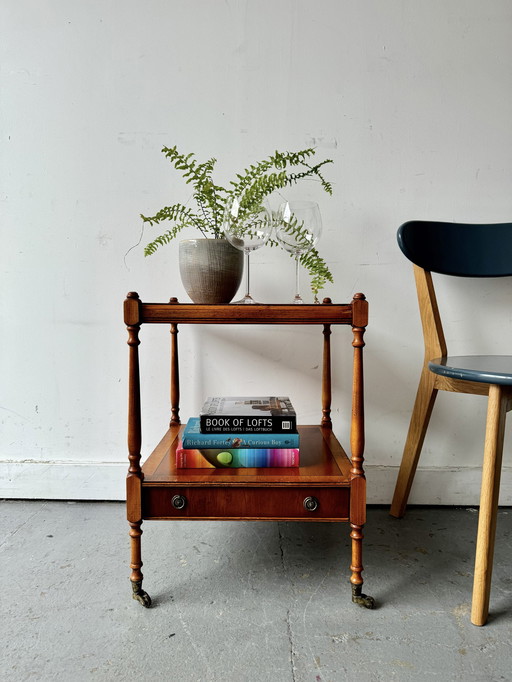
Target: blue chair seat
486	369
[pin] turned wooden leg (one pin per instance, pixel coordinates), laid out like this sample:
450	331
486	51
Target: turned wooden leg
357	568
493	451
357	479
136	564
423	405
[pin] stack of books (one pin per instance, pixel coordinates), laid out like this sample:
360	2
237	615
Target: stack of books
238	432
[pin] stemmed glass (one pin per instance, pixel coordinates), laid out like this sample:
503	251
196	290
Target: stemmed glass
298	229
247	228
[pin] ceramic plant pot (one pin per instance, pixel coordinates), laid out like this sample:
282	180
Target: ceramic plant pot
211	269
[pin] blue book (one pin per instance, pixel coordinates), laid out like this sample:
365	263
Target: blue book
193	438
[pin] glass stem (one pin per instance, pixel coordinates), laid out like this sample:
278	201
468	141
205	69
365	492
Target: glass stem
247	294
297	279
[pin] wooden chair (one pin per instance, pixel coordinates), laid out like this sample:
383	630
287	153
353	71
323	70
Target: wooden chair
465	251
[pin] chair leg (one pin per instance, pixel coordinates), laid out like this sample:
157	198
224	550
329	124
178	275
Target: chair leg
493	451
423	405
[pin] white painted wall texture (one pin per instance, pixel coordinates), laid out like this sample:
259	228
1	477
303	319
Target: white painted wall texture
411	99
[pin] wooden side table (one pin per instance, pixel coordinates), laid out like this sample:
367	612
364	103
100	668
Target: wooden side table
328	486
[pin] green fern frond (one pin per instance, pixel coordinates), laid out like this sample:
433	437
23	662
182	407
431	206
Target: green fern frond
197	173
315	170
318	271
163	239
278	160
175	212
180	215
282	160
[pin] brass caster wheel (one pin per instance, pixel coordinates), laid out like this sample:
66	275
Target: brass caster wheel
140	595
362	599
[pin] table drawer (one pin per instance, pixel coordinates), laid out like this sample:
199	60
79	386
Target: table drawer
224	502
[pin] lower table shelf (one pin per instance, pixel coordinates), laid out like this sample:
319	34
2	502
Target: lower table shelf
322	488
317	490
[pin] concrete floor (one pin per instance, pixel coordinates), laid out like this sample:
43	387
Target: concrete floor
240	601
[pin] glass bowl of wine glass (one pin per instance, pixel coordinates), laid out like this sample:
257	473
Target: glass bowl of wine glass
247	225
298	229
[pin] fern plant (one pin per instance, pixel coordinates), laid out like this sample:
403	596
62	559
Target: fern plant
253	184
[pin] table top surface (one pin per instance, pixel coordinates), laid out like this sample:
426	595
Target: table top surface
139	312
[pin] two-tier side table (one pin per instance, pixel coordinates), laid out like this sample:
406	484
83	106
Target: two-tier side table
327	486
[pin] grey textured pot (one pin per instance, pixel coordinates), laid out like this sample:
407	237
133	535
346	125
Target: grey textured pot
211	269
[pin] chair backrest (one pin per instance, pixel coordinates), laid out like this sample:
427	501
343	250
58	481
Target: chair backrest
460	249
451	249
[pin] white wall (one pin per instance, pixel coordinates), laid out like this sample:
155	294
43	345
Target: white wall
411	99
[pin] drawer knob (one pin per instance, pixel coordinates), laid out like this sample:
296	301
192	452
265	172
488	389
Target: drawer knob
179	501
310	504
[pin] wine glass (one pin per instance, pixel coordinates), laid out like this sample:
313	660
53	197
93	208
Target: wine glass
247	226
298	229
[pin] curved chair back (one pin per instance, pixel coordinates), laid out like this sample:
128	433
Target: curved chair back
460	249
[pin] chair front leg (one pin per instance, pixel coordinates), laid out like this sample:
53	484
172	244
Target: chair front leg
491	472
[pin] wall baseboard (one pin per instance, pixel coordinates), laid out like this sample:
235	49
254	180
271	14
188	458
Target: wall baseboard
454	486
106	481
63	480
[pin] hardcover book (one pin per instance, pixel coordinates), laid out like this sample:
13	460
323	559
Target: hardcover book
237	458
248	415
193	438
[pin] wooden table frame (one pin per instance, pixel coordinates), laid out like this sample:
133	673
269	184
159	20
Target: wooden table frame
328	486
